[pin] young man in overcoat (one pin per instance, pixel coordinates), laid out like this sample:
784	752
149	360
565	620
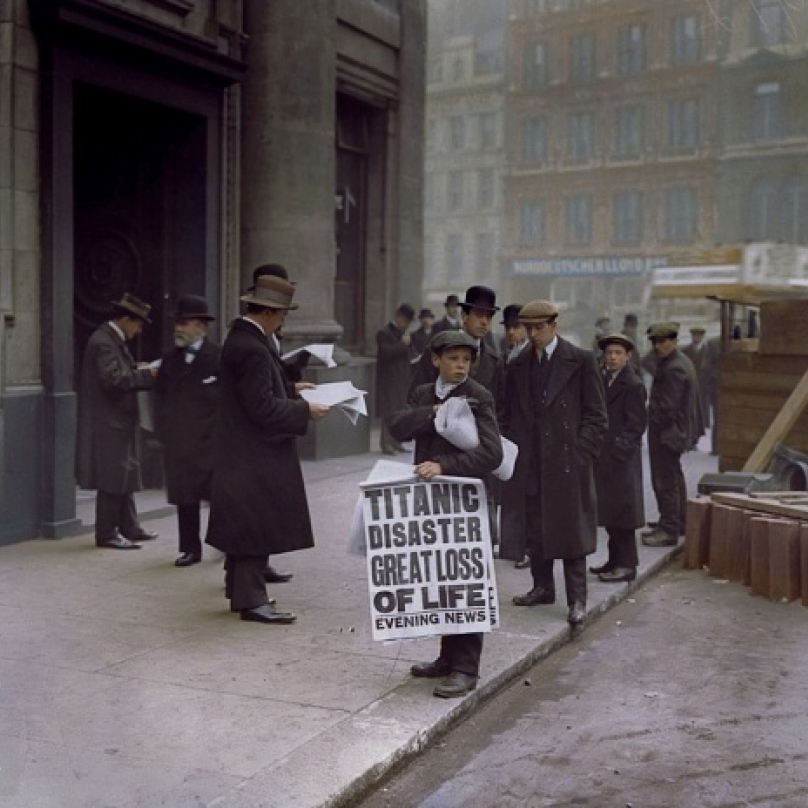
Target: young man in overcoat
186	397
258	504
555	411
108	422
452	353
618	471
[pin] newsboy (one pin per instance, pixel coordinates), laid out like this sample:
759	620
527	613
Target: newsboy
555	411
108	423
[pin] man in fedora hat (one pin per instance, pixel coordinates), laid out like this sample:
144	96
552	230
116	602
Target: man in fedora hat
106	451
258	503
451	320
555	411
618	471
186	399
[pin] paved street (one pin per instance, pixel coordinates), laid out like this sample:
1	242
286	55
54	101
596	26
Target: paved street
126	682
692	694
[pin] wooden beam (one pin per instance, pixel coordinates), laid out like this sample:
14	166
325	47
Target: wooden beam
779	428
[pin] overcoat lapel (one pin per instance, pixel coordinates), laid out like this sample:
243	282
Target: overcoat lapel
563	366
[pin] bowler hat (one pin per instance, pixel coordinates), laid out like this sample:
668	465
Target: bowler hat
425	313
480	297
451	300
405	310
193	307
630	319
510	314
615	339
274	270
271	292
663	331
538	311
452	339
131	306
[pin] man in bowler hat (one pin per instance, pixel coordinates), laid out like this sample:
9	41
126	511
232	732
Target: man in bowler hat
451	320
108	423
423	334
555	411
258	503
186	399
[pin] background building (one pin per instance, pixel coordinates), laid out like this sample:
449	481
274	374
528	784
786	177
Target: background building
170	146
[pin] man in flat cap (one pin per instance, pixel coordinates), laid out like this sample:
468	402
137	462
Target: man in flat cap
674	426
108	423
258	503
452	353
703	353
555	411
186	397
618	471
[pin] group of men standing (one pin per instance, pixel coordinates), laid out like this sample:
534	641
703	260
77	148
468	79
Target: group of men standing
228	419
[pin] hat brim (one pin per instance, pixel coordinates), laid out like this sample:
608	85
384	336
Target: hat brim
131	312
209	318
468	306
264	303
613	339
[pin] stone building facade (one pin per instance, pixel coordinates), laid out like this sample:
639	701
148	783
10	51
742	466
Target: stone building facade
167	147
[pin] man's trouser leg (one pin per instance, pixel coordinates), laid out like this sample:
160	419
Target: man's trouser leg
462	652
247	588
115	513
667	480
189	521
622	548
540	568
575	579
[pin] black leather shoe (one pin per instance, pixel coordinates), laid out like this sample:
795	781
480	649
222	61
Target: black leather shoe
659	538
272	576
455	685
577	613
145	535
618	575
187	559
607	567
431	670
117	543
537	596
267	614
271	602
523	564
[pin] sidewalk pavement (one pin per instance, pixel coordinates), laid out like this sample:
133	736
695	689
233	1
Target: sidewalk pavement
125	681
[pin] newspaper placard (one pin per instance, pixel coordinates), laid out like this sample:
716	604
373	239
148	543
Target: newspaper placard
429	560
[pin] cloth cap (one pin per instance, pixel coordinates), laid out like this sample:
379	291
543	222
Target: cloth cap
193	307
271	292
425	313
452	339
480	297
537	311
131	306
619	339
663	331
510	314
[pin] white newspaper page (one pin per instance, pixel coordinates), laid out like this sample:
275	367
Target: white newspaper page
320	350
429	560
342	395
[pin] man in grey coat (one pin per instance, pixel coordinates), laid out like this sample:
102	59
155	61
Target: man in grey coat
106	452
555	411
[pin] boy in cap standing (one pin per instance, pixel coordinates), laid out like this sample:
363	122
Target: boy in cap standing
451	353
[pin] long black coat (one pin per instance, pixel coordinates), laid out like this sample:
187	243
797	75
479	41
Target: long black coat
393	370
106	450
574	425
258	504
418	421
186	399
674	406
618	471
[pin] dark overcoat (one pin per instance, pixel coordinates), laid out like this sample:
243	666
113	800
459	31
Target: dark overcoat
393	370
106	450
258	503
674	406
186	398
573	426
704	359
618	471
420	341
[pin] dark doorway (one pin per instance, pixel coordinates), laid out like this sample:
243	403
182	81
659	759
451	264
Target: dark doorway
139	210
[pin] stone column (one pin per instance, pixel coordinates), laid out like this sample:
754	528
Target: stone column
288	157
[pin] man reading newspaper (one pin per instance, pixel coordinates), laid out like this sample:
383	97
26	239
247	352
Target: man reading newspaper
452	354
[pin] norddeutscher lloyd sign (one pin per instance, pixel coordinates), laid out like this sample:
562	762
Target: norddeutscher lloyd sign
429	558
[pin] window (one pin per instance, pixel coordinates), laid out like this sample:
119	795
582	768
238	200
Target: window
627	217
681	214
535	141
536	65
488	51
484	263
631	50
485	188
795	215
488	130
578	219
457	132
763	211
628	132
583	58
683	125
454	257
685	41
770	23
455	190
532	232
457	69
580	137
767	113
